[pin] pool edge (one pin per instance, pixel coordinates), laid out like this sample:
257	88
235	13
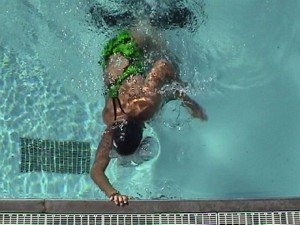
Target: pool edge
151	206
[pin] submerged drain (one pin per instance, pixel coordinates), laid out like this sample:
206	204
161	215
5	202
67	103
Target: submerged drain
54	156
109	219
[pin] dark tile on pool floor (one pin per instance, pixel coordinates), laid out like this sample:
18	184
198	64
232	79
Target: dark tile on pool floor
54	156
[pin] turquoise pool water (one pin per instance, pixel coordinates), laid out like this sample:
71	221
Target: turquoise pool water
242	64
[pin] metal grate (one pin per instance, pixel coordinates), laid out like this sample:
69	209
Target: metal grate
109	219
54	156
236	218
259	218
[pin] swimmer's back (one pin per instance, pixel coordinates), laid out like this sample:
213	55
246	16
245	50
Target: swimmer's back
138	94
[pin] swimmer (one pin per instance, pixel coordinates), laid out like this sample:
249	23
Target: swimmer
136	67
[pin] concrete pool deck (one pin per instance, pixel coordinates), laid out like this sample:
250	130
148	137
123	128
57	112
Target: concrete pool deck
149	206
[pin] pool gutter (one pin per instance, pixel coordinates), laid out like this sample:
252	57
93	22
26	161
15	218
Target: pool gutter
151	206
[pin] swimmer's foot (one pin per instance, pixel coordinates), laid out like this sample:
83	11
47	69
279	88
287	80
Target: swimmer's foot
173	18
101	17
176	16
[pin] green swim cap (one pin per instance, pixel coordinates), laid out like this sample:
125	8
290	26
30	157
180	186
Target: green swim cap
123	43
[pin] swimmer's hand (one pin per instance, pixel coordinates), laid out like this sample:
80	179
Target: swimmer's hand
118	199
198	112
195	109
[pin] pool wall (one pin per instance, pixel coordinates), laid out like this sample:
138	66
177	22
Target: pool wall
154	206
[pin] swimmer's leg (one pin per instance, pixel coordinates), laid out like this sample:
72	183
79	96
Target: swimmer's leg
101	16
176	16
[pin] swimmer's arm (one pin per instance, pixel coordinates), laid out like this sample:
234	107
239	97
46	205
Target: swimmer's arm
101	162
195	109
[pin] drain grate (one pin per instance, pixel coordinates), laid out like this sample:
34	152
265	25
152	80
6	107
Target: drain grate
259	218
109	219
237	218
54	156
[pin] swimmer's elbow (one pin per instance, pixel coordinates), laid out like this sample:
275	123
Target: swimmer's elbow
93	173
96	171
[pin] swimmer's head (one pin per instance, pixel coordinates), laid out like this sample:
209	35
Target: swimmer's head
127	135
